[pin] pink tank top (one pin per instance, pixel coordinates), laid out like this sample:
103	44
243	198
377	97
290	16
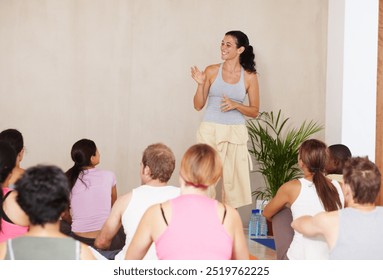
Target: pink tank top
194	232
8	229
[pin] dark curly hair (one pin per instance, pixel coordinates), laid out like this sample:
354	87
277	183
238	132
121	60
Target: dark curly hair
43	194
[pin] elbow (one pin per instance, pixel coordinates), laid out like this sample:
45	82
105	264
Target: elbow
267	215
254	113
198	108
101	243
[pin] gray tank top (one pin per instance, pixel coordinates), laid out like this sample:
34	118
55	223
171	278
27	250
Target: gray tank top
42	248
360	235
219	88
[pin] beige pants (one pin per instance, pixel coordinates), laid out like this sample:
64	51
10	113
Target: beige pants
231	143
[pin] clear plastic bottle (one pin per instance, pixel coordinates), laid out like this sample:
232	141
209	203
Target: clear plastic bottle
254	223
262	225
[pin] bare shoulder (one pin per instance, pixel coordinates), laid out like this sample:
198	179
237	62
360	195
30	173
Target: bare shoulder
251	76
122	203
212	69
290	186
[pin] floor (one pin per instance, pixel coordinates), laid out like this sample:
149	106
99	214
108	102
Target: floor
259	251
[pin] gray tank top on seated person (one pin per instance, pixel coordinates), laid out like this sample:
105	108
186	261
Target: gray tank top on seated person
219	88
42	248
359	236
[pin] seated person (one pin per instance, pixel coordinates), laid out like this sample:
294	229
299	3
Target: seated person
93	193
14	221
338	155
352	233
309	195
43	194
157	166
192	226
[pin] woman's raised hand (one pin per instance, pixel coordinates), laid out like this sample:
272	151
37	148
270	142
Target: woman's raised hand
197	75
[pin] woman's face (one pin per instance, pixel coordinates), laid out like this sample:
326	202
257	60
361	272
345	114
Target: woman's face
229	48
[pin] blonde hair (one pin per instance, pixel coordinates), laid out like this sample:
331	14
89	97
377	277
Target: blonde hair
201	166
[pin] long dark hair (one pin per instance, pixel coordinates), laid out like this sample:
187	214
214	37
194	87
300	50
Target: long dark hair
313	154
81	154
7	163
246	59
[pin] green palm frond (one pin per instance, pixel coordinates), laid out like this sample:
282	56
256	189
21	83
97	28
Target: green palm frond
275	150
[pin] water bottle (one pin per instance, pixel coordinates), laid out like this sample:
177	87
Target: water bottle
262	225
254	223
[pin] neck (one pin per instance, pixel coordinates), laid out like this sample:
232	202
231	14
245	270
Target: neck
193	190
154	183
363	207
49	230
232	66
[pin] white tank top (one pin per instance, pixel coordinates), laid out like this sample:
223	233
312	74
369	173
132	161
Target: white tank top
142	198
308	203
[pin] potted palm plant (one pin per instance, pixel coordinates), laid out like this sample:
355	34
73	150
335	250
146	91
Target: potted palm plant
274	146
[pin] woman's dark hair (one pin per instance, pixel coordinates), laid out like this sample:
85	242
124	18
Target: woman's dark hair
313	154
7	163
81	154
247	57
14	138
43	194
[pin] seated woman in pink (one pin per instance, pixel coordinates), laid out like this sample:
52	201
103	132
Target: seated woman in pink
93	192
192	226
14	222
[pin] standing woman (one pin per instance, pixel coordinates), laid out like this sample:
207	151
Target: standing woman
310	195
224	87
93	192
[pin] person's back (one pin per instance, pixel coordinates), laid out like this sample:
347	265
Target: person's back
359	236
142	198
43	194
42	248
309	203
93	192
195	231
9	229
91	200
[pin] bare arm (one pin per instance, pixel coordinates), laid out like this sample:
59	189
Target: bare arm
285	195
203	80
240	249
86	253
325	224
250	110
113	223
3	250
114	194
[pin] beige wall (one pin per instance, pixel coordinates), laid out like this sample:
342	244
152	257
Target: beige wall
118	71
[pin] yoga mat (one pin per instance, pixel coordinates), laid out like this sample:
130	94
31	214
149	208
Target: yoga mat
268	242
